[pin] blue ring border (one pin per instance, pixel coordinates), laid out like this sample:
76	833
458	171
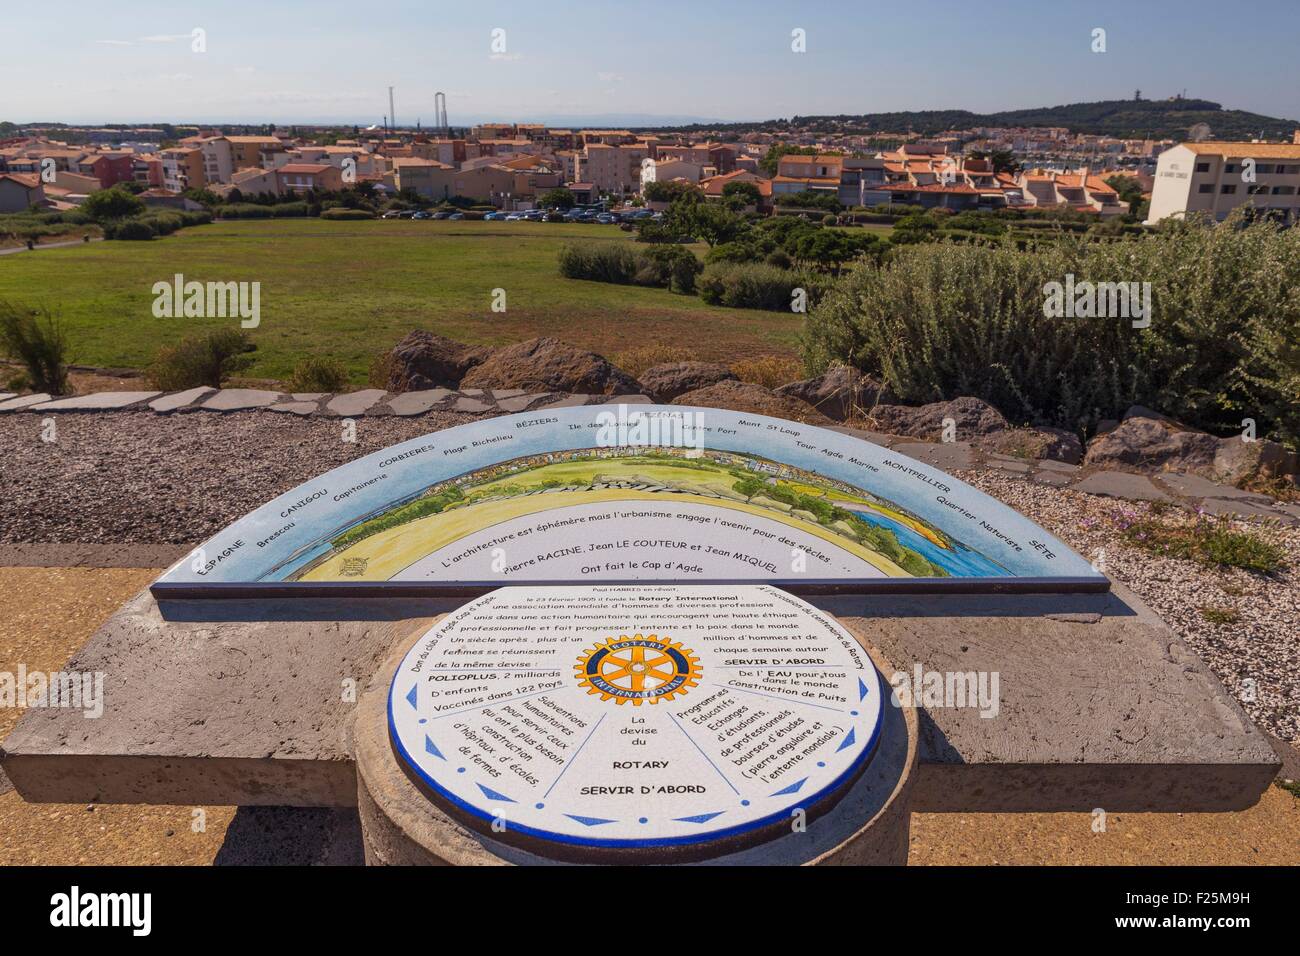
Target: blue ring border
623	843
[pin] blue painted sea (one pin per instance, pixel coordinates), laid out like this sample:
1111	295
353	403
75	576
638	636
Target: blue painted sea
960	562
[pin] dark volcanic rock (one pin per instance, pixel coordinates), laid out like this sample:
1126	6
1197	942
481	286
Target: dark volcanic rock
665	382
1147	441
838	392
1055	444
549	365
972	418
423	360
748	397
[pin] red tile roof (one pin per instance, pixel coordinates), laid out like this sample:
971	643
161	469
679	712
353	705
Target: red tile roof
31	182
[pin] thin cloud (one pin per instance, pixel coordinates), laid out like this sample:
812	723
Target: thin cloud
156	38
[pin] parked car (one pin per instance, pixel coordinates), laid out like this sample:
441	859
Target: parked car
392	214
441	215
457	215
422	215
555	216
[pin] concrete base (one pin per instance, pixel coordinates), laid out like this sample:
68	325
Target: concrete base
1101	706
245	702
400	825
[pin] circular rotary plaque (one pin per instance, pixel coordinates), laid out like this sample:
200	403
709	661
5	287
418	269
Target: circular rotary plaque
628	718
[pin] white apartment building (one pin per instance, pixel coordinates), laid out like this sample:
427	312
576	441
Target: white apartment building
1216	178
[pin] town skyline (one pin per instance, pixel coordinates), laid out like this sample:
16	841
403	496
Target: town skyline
702	66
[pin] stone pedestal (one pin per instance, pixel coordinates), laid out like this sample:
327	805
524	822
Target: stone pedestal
401	825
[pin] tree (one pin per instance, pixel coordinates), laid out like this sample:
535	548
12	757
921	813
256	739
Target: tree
206	197
1000	160
830	248
668	192
713	223
558	198
745	191
115	203
810	199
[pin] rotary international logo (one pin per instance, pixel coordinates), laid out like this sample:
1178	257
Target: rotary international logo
638	668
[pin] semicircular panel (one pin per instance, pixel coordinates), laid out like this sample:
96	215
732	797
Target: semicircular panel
631	493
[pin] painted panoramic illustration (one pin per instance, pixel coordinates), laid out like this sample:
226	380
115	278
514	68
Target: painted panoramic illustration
603	502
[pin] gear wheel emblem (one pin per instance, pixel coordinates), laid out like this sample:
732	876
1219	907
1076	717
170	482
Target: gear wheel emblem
638	668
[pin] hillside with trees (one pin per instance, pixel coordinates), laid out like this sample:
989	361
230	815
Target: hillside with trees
1135	118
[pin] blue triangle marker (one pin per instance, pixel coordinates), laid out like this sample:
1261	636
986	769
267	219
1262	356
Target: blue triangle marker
848	741
700	818
410	698
493	795
585	821
862	690
431	747
793	788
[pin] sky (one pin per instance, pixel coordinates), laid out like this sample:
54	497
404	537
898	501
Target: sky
627	63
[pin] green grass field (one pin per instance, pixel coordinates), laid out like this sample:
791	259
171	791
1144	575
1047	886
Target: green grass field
352	289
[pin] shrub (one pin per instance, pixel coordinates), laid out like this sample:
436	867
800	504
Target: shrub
770	371
754	286
1210	541
116	203
318	374
635	361
737	251
130	229
380	373
810	199
673	267
665	266
287	210
244	210
35	339
162	223
599	261
341	213
938	321
201	360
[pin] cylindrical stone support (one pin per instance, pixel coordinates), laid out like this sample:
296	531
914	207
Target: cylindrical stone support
401	825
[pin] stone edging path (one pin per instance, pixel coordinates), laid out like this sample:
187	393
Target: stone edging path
1173	487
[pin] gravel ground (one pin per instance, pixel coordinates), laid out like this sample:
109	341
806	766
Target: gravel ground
174	479
145	478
